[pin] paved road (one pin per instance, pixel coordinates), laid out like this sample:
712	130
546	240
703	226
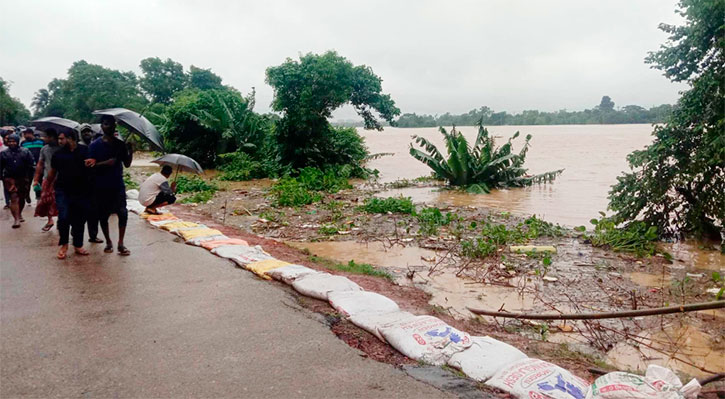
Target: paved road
171	320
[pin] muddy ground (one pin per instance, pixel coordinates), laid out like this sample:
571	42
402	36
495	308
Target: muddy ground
428	276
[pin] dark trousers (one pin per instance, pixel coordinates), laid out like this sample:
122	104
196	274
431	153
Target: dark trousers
107	202
92	220
72	211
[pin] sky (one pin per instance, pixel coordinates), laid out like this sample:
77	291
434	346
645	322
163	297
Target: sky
433	56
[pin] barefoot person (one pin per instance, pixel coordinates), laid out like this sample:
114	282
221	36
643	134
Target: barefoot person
16	169
72	189
155	192
108	156
46	204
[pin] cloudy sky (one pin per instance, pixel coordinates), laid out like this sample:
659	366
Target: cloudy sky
433	56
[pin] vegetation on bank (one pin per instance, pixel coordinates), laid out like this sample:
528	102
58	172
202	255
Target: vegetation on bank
482	167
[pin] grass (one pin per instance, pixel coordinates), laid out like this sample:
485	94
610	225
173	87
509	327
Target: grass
194	184
351	267
198	197
392	205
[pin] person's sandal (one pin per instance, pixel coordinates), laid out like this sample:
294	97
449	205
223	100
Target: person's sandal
96	240
16	225
123	251
62	253
81	251
47	227
108	249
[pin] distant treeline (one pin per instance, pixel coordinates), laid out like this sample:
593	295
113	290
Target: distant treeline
604	113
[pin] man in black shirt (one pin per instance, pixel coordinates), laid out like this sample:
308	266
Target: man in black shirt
16	170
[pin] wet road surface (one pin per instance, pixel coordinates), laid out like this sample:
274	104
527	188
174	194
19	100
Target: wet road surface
171	320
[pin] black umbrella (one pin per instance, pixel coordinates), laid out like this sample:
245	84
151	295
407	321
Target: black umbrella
61	125
136	123
181	162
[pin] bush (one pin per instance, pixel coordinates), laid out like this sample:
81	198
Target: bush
128	181
392	205
194	184
304	189
430	219
239	166
288	191
636	237
199	197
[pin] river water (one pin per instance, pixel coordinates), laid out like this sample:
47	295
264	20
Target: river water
592	157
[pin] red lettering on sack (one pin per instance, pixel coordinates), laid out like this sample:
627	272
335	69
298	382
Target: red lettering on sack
419	339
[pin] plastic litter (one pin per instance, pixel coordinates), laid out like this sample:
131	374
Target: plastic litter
426	338
211	244
200	232
658	382
354	302
289	274
262	267
532	248
485	357
373	321
535	378
172	227
318	285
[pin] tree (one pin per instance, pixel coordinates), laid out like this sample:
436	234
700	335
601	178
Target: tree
204	79
606	105
161	79
309	90
12	111
678	182
40	102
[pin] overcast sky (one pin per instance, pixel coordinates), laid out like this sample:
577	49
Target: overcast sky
433	56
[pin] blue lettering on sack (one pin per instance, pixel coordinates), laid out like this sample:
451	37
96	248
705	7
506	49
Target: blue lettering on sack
563	386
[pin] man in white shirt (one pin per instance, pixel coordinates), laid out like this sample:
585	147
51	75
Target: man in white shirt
156	192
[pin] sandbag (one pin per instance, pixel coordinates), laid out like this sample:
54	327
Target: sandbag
198	232
172	227
230	251
289	274
255	254
132	194
535	378
658	382
353	302
426	338
198	241
372	322
163	216
159	223
211	244
135	206
263	266
485	357
198	226
318	285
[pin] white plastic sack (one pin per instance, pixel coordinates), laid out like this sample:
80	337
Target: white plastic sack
318	285
289	274
353	302
426	338
135	206
485	357
256	254
372	321
132	194
535	378
658	382
159	223
198	240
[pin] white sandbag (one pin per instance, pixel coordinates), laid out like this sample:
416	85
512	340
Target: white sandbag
658	382
132	194
318	285
352	302
255	254
231	251
198	240
159	223
535	378
426	338
135	206
179	230
289	274
485	357
373	321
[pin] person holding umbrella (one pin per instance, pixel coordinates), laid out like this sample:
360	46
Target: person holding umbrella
46	204
108	155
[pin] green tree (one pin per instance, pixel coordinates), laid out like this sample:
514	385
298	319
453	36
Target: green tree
12	111
678	182
606	105
309	90
203	79
161	79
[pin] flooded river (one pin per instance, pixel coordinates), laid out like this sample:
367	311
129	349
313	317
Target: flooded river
592	156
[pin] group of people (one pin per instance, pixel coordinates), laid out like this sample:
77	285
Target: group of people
78	177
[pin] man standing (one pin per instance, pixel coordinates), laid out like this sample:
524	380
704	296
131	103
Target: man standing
108	156
46	206
87	137
34	145
16	169
155	192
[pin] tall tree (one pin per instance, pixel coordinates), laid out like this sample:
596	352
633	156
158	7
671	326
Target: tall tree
12	111
606	105
678	182
161	79
309	90
204	79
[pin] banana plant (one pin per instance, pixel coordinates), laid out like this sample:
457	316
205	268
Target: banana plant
482	167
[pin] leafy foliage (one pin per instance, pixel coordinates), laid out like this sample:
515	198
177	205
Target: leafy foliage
306	187
12	111
128	181
203	79
198	197
430	219
677	183
481	168
162	79
636	237
308	90
194	184
392	205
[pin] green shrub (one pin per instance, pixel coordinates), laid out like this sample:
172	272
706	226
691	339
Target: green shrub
239	166
305	188
430	219
193	184
392	205
537	227
288	191
198	197
129	182
636	237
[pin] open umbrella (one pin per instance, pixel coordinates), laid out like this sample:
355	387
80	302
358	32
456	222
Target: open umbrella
61	125
181	162
136	123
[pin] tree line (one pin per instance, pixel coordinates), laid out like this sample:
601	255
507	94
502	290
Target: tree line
604	113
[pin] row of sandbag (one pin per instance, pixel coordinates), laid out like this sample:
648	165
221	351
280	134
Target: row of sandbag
427	338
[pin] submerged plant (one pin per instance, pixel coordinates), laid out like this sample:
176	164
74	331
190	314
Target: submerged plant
482	167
